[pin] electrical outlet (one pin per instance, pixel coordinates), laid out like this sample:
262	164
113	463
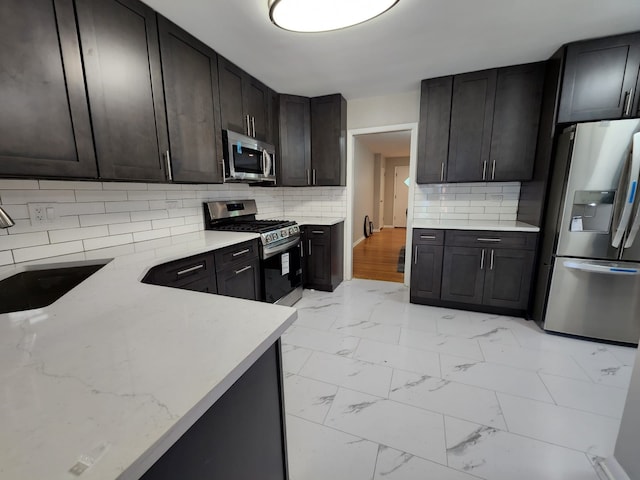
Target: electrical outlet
171	204
42	213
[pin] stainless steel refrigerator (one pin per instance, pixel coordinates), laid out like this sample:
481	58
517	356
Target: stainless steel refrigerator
592	240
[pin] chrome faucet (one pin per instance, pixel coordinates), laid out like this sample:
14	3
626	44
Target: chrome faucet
5	220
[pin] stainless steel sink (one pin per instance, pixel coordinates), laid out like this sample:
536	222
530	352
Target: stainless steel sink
39	286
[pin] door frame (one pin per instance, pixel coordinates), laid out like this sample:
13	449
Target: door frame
395	194
349	221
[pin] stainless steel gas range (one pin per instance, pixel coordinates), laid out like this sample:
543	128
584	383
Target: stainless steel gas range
280	252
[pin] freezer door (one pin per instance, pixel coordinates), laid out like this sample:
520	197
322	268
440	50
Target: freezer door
601	152
595	299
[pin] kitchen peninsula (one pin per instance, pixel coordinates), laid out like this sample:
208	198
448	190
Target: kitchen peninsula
101	383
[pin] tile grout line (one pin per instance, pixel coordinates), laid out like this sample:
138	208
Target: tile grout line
547	389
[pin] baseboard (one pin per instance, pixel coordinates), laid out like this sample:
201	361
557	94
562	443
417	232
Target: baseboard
610	469
388	226
357	242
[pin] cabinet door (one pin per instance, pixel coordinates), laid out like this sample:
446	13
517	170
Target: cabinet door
471	123
318	250
463	274
328	140
295	141
426	271
44	124
124	82
190	71
515	122
433	130
256	105
508	278
231	80
241	280
599	77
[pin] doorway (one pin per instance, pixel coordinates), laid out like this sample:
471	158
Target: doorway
381	197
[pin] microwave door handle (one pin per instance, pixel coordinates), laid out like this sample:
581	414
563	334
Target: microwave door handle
635	224
266	163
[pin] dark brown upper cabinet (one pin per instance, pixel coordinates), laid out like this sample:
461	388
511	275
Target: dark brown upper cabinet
516	117
471	125
44	125
190	73
124	82
328	140
244	102
294	163
433	134
601	79
480	126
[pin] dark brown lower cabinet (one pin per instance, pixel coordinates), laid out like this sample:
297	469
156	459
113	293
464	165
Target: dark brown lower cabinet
242	436
241	280
480	270
323	257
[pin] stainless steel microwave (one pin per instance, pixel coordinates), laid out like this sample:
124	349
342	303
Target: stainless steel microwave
247	160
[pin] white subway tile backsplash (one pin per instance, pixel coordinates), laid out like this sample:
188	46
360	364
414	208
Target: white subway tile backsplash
104	242
80	208
17	211
45	251
454	216
124	186
150	215
19	184
110	252
120	228
484	216
70	234
185	229
69	185
20	240
128	206
23	197
164	186
169	222
100	195
151	234
104	219
146	195
6	257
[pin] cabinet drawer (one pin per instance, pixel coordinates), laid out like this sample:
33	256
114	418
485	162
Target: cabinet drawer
493	239
423	236
236	253
180	273
318	230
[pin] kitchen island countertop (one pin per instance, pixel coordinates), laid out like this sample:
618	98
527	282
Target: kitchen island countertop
115	371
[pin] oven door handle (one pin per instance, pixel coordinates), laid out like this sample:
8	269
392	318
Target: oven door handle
281	248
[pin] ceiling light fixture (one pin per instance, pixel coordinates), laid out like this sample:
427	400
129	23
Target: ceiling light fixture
324	15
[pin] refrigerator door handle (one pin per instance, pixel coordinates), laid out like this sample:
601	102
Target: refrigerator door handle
635	224
628	182
596	268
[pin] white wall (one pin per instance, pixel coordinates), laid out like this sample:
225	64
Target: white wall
364	163
117	215
391	163
386	110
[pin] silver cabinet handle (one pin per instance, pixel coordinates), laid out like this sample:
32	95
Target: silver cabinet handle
317	232
190	269
493	240
484	170
627	106
314	176
415	257
301	250
308	177
493	170
169	172
482	260
253	126
246	119
491	261
224	170
241	252
442	172
309	247
248	267
428	237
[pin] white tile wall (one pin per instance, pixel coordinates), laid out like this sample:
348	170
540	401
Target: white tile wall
98	215
321	202
467	201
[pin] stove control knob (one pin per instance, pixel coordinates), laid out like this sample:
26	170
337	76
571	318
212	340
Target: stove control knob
291	231
283	233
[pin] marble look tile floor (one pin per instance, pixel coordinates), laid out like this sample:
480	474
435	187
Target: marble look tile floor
378	388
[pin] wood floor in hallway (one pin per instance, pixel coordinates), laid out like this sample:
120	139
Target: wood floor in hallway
376	257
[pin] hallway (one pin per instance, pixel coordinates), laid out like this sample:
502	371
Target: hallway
376	257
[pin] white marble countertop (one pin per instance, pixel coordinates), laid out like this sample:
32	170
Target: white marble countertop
500	226
326	221
121	367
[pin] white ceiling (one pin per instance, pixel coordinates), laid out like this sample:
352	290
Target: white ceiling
390	54
387	144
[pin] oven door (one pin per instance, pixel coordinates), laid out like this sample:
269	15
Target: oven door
282	275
